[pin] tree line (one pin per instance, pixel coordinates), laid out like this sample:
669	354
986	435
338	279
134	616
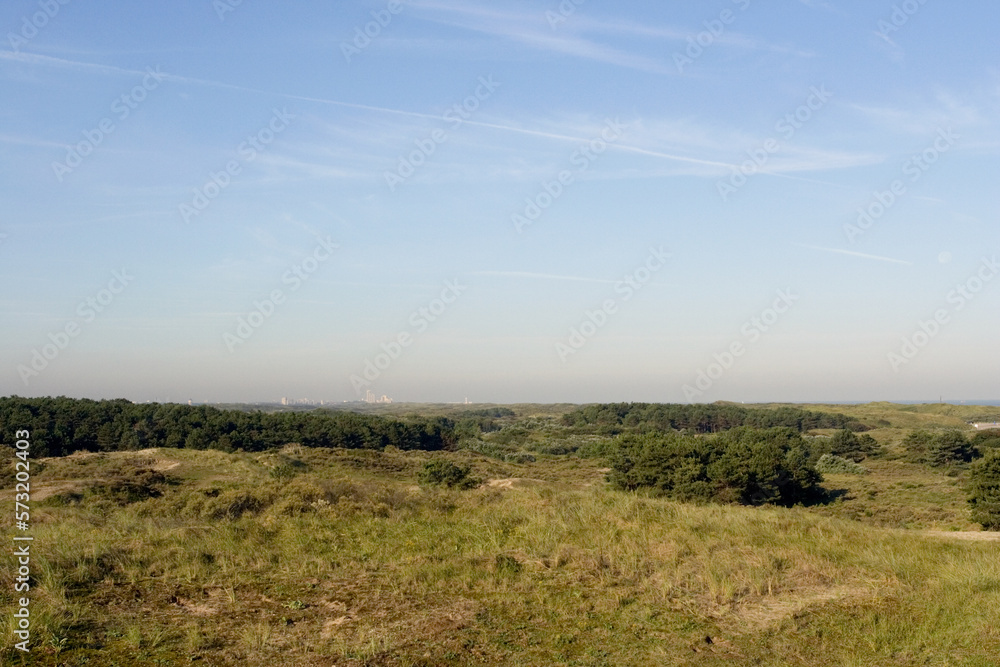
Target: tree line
613	418
60	426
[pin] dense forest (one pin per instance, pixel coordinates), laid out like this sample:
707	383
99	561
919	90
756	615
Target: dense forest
614	418
60	426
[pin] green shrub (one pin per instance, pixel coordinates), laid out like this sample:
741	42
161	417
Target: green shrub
848	445
830	464
918	445
122	488
490	449
234	504
744	465
596	449
950	447
984	441
939	449
984	497
440	472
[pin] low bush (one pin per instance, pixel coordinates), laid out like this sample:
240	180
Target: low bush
440	472
830	464
848	445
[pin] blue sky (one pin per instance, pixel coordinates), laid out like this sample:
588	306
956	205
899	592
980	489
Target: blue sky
506	201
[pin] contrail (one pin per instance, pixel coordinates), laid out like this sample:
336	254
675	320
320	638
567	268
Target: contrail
111	69
544	276
856	254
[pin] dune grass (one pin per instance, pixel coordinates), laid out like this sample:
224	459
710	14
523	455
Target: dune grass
346	560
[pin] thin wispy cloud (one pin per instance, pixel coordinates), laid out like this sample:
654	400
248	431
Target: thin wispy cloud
819	4
719	165
533	30
852	253
29	141
541	276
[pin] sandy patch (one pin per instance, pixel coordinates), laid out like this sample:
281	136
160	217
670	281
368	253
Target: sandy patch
513	483
978	536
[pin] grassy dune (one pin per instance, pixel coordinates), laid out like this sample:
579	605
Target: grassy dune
320	557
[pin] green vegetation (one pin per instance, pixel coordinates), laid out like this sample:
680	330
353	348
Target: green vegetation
830	464
440	472
744	465
63	425
847	444
310	555
939	449
985	491
644	417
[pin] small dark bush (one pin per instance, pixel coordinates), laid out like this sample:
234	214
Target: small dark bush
848	445
445	473
830	464
131	487
505	565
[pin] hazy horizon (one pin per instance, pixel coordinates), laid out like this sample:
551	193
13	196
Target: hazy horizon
527	201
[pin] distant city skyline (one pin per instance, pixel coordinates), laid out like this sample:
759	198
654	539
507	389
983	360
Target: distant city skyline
520	201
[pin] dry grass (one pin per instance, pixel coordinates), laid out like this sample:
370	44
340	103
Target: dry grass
351	563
